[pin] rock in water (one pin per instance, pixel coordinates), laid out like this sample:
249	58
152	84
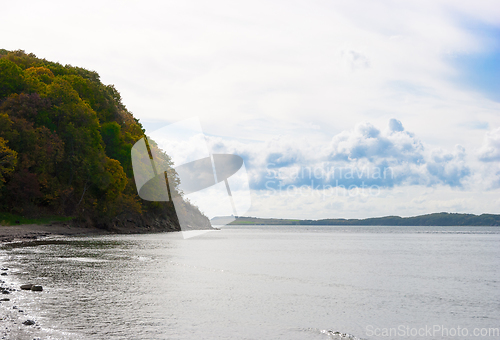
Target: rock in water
36	288
27	287
29	322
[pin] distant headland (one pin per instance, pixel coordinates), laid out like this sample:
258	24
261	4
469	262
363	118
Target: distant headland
435	219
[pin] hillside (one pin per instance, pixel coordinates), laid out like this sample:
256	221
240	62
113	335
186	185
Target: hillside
65	143
437	219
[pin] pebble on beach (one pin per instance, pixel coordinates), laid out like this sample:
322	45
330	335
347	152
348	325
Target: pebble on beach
32	287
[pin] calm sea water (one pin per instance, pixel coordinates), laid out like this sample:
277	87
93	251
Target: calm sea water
265	282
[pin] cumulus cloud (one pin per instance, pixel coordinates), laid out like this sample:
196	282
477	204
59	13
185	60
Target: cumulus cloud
448	168
362	156
488	154
490	150
366	141
395	125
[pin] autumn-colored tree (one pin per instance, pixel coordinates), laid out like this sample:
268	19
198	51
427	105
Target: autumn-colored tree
65	143
8	160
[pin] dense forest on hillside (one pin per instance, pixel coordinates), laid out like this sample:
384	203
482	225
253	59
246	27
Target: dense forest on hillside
65	143
436	219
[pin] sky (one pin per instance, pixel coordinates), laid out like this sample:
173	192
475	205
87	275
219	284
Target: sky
339	109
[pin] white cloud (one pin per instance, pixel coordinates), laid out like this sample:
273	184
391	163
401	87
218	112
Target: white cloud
448	168
328	63
490	150
366	141
364	155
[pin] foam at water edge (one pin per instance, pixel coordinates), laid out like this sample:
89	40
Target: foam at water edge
334	335
339	335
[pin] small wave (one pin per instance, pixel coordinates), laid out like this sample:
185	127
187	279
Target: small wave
339	335
143	258
334	335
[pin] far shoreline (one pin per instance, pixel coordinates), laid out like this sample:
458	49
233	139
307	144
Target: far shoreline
443	219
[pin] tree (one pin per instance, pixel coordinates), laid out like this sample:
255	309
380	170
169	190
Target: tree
8	161
65	144
11	78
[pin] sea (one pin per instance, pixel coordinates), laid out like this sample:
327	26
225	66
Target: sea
259	282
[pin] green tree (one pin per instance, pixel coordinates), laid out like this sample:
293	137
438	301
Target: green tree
11	78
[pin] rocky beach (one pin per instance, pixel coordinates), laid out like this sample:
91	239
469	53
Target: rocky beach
17	323
17	295
16	320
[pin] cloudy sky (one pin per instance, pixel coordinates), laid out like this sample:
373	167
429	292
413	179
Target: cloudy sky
339	108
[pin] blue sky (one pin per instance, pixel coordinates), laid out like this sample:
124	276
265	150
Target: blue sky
480	71
304	86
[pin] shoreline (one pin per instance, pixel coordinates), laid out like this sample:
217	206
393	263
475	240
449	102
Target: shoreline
31	232
26	232
12	314
17	319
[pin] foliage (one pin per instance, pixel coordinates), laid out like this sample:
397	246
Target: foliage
8	160
12	219
65	143
11	78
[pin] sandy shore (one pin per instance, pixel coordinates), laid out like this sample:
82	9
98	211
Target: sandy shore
34	231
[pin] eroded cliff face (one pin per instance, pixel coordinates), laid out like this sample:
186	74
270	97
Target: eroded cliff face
160	220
